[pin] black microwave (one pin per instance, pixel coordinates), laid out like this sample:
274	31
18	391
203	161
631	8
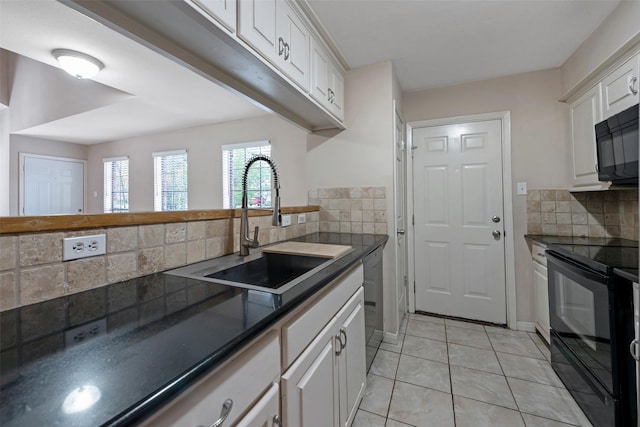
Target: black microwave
617	144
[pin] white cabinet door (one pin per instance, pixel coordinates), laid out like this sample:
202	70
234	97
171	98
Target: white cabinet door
541	299
620	88
327	82
336	85
294	58
319	73
257	26
310	386
223	11
585	113
352	364
265	413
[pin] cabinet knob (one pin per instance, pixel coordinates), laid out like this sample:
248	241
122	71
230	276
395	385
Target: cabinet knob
277	421
224	413
632	85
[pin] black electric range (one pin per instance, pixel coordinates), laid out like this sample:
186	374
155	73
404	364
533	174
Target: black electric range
591	318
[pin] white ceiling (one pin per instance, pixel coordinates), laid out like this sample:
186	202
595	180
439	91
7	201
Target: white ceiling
443	42
166	96
431	43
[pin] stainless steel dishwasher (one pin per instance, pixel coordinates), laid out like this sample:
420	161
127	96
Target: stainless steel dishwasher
372	264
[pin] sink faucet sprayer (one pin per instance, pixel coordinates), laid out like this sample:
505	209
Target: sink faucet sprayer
245	241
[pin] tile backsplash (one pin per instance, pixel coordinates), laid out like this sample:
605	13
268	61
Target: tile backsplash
359	210
611	213
32	270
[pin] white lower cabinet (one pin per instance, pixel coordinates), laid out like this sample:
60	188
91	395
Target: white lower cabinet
265	413
325	384
541	291
229	391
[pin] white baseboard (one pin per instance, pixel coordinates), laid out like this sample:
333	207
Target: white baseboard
391	338
526	326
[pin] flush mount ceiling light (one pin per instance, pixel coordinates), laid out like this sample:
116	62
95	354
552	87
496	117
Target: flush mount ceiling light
79	65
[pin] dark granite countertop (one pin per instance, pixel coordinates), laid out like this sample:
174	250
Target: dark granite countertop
609	255
163	332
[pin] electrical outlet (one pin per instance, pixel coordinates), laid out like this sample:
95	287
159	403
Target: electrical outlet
83	246
83	333
522	188
286	220
302	218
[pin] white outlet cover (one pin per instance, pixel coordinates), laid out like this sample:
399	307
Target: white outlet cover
286	220
302	218
83	246
522	188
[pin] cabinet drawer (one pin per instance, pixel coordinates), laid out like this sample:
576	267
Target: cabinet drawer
538	253
298	332
243	380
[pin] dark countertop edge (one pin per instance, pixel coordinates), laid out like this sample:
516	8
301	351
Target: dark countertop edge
148	406
626	274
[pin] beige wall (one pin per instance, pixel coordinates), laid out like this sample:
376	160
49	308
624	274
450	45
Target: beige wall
204	153
539	143
362	155
619	30
46	147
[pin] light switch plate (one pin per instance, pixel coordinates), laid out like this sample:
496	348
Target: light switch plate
522	188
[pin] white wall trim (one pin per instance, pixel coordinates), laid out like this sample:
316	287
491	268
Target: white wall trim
526	326
509	246
391	337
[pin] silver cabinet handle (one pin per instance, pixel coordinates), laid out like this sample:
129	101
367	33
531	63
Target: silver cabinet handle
277	421
541	254
633	349
400	231
495	219
339	340
343	331
632	85
286	51
597	168
280	46
224	413
496	234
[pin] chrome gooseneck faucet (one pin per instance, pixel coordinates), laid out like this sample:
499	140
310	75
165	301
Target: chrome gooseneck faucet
245	241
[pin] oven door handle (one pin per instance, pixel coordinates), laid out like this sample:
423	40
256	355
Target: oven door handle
633	349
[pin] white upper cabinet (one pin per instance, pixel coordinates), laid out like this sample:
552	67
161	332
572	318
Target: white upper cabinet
293	44
257	26
327	82
585	113
276	32
620	88
223	11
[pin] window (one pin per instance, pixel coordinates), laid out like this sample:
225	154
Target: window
116	184
170	180
234	158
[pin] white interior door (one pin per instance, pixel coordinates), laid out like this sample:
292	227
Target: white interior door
458	203
400	217
51	185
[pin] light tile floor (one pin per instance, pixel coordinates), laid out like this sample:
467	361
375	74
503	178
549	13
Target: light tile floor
446	373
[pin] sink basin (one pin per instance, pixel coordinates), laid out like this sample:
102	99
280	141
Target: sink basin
269	272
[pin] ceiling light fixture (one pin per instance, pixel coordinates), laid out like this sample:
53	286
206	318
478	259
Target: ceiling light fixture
79	65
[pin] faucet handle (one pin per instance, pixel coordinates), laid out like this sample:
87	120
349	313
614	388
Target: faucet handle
255	242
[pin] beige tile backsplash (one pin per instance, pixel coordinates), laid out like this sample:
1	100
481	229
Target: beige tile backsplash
359	210
32	270
611	213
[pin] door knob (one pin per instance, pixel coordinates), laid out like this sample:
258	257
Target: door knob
400	231
496	234
495	219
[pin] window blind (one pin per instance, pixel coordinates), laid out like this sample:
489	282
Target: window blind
170	180
234	158
116	184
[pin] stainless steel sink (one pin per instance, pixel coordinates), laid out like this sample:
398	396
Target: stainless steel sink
269	272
